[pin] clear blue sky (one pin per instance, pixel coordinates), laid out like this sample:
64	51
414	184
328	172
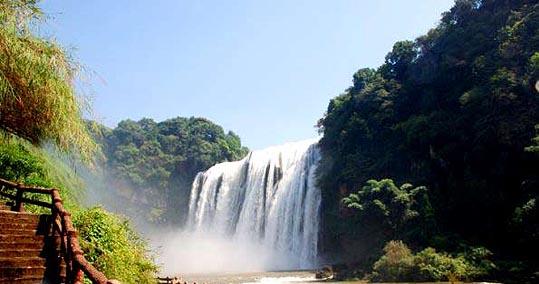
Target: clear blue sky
265	69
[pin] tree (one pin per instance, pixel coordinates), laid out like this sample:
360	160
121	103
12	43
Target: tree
390	207
37	97
453	110
398	61
361	78
158	161
535	147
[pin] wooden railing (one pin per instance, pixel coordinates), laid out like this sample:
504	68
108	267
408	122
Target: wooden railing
169	280
76	265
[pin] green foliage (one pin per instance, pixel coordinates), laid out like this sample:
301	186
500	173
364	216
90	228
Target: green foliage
158	161
525	220
391	206
535	147
381	211
527	211
18	164
479	260
23	162
399	264
110	243
37	97
453	110
38	103
435	266
402	56
396	264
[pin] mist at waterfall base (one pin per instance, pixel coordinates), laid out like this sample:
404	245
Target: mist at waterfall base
257	214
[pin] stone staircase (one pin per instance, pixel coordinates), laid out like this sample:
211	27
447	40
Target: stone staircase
28	254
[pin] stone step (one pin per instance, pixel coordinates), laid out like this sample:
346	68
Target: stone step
21	238
21	216
27	254
44	242
40	270
26	229
15	224
14	219
22	261
26	280
25	245
21	253
44	251
10	273
35	261
20	226
27	219
28	232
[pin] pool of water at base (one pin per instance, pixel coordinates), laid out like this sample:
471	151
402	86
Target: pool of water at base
282	277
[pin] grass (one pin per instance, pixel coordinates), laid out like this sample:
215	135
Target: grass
37	95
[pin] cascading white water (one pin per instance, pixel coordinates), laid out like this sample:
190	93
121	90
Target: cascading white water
268	200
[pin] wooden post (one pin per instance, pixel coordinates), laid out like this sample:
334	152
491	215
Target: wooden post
78	274
18	200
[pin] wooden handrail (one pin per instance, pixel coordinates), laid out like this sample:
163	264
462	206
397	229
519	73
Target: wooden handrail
169	280
76	264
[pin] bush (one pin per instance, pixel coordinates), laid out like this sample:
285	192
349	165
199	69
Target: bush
23	162
399	264
396	264
430	265
18	164
110	243
479	261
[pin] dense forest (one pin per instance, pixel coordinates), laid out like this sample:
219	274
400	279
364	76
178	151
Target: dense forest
151	165
453	111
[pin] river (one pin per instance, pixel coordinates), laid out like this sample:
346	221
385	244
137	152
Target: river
293	277
296	277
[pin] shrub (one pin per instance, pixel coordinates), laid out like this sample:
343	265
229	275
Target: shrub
18	164
23	162
430	265
399	264
396	264
110	243
478	258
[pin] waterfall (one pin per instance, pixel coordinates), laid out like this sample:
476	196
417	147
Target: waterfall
269	200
